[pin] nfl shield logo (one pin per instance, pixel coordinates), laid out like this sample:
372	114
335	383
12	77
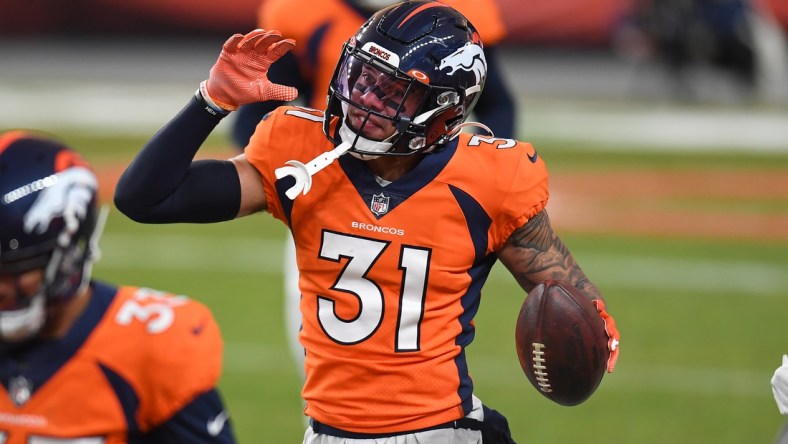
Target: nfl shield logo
19	389
380	204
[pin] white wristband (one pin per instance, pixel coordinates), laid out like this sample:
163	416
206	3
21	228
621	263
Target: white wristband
209	103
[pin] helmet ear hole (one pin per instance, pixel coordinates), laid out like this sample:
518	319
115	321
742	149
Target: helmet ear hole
448	98
416	143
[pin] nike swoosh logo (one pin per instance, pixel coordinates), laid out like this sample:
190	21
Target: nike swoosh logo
533	157
198	329
216	425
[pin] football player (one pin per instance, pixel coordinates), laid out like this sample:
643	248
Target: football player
780	391
780	386
397	217
83	361
310	66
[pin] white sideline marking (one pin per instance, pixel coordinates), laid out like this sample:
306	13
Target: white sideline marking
753	278
666	128
257	255
697	380
132	108
664	379
674	273
192	253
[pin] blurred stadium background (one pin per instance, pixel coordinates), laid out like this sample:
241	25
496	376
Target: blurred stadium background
672	191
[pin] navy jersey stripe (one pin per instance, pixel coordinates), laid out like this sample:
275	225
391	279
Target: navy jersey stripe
478	227
282	185
129	401
314	44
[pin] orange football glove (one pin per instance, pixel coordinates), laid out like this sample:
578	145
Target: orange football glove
612	333
240	75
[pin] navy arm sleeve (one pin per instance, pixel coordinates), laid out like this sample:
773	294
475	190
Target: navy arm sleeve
203	421
164	185
496	107
285	71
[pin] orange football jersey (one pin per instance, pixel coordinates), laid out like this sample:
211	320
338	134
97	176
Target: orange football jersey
391	276
133	359
321	30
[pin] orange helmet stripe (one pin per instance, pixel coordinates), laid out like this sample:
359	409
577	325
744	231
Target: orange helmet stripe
6	139
67	159
418	10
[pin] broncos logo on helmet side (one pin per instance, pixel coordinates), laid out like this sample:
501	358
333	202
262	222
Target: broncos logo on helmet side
470	57
68	195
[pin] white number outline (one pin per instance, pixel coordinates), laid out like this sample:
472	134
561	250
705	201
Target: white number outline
154	308
500	144
305	113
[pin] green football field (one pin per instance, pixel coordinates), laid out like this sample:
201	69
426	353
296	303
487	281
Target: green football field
702	319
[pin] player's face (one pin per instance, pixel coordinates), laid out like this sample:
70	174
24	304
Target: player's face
16	287
382	93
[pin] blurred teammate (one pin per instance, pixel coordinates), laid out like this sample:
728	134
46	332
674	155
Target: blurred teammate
737	37
321	31
396	232
780	386
780	391
83	361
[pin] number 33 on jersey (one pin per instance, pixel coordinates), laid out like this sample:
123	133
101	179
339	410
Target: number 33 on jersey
133	359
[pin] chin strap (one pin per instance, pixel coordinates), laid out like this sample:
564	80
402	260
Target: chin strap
456	132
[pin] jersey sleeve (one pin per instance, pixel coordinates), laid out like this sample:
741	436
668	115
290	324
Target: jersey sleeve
168	347
526	196
287	133
258	153
262	151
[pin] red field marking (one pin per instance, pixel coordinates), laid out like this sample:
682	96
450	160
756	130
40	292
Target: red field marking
642	203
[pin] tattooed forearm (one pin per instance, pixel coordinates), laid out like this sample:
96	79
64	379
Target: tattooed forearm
537	235
534	253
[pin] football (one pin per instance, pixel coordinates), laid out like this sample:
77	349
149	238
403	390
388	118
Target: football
561	342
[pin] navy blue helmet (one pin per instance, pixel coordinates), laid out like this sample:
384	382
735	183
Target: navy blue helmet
48	212
418	66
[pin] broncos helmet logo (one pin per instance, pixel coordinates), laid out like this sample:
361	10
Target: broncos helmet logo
69	196
468	58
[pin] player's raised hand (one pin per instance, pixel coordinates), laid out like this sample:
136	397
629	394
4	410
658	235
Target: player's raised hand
240	75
